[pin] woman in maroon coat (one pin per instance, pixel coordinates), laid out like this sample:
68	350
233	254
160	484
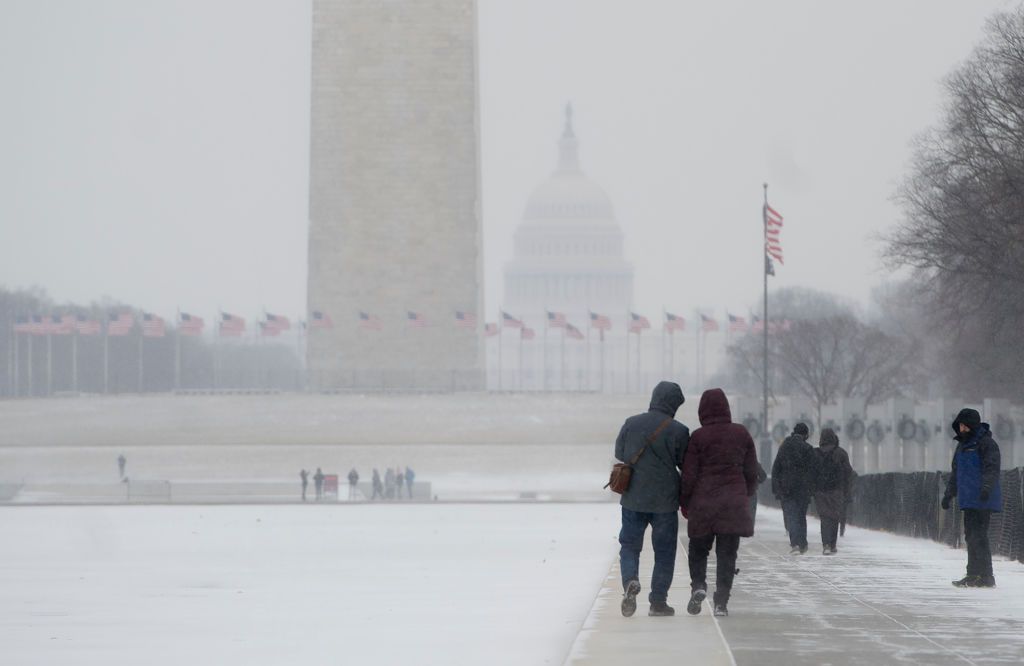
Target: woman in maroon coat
719	476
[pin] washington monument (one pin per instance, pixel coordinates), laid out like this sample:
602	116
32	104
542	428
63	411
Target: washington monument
395	261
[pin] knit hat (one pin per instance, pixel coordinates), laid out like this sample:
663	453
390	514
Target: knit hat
801	429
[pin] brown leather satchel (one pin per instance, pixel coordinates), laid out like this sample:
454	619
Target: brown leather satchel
622	473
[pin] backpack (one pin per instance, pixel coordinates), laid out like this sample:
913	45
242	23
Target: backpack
831	471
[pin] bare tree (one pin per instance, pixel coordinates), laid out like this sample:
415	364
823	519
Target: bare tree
963	202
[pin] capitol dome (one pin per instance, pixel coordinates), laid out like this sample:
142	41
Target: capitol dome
569	253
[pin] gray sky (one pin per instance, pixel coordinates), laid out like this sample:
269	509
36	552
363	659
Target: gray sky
157	152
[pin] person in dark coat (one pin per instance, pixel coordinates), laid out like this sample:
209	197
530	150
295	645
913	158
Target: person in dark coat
378	486
974	482
719	477
353	482
834	488
304	475
794	474
653	496
318	484
121	462
762	476
410	476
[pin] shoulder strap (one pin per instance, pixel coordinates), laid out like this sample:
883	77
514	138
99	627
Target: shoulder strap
653	436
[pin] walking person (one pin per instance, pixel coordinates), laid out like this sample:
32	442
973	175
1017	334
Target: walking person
762	476
719	477
378	487
834	488
793	477
121	462
409	477
400	479
389	483
318	484
654	444
304	476
974	482
353	479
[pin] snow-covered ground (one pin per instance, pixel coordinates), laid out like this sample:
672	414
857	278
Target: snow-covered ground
415	584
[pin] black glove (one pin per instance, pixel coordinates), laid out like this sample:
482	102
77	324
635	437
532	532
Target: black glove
945	501
984	495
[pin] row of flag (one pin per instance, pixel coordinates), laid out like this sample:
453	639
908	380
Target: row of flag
120	324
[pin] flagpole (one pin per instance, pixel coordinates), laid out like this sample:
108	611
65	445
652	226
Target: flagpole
547	320
627	353
74	359
589	382
561	355
764	322
17	365
141	337
177	351
106	356
49	358
501	330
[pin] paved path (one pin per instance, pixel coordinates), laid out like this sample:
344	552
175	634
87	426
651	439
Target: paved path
882	600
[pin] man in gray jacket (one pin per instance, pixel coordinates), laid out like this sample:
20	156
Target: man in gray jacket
653	495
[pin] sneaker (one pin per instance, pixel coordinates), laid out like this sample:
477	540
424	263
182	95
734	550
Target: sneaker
629	598
721	610
825	550
987	581
795	550
969	581
834	550
661	609
696	601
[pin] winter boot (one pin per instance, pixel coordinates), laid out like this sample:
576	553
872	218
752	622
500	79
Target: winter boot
969	581
721	610
696	601
661	609
629	598
826	550
795	550
986	581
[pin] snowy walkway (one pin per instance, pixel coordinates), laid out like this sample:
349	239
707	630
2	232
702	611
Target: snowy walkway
883	600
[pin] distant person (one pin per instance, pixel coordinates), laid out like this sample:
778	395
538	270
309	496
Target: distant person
719	477
654	444
304	475
378	487
121	462
400	479
389	483
409	477
762	476
793	477
834	488
974	482
318	484
353	480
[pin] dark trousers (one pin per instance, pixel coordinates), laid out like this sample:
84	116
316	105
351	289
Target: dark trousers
829	531
979	555
794	514
664	538
726	547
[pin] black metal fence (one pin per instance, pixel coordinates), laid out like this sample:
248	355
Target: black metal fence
908	504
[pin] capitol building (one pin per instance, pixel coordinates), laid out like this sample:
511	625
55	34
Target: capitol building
569	259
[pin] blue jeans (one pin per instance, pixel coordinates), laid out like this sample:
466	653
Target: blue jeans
794	514
664	537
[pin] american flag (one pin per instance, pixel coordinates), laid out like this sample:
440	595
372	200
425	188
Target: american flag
637	322
600	322
737	324
22	325
772	234
758	325
63	325
277	322
465	319
573	332
190	324
320	320
556	319
674	322
153	326
415	319
490	330
508	321
39	325
269	329
527	333
369	322
120	324
86	326
708	324
231	326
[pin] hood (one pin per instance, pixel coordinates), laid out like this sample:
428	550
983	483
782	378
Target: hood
969	417
829	439
714	408
666	398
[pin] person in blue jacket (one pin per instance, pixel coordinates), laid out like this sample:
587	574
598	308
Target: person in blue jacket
974	482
